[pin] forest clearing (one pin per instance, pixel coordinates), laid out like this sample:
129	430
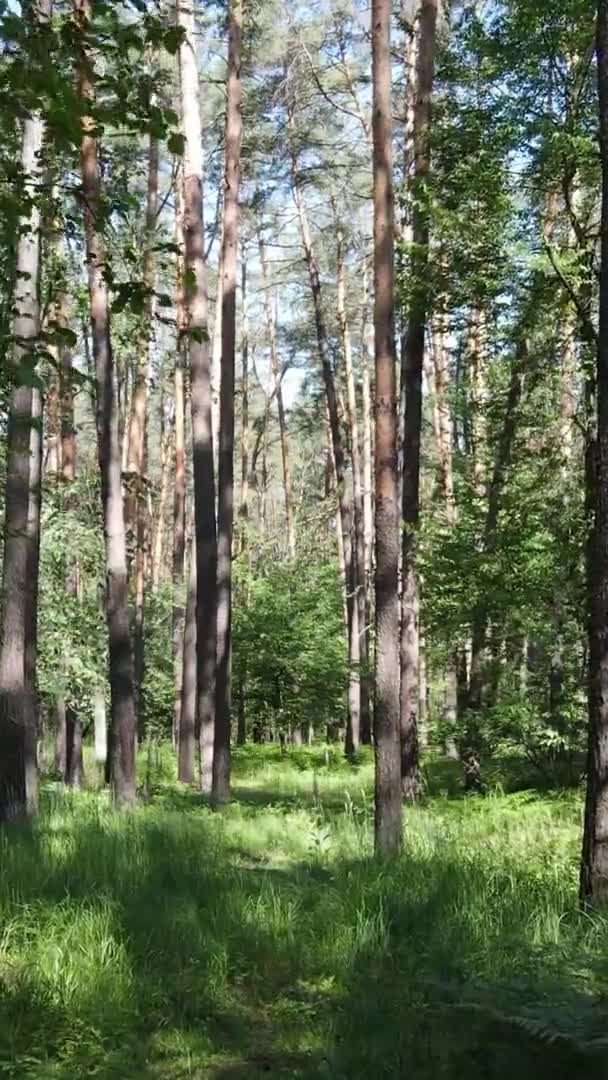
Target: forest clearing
304	539
265	941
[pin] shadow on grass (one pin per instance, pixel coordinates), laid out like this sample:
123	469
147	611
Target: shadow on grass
136	949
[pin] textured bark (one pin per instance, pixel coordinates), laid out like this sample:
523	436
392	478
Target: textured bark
230	238
196	302
412	359
277	376
18	774
122	736
594	864
353	728
388	763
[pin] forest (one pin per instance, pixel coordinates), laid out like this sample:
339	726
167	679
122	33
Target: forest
304	539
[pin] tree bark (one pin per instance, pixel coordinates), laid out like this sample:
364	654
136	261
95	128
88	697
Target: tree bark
122	735
594	862
412	359
18	771
196	302
388	762
230	238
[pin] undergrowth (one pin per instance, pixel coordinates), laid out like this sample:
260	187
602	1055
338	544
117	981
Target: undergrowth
264	940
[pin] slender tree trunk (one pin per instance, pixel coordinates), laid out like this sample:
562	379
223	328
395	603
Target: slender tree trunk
33	573
18	772
359	574
245	433
440	371
412	359
179	488
187	721
136	500
72	737
367	363
200	394
230	239
386	712
594	863
158	536
277	376
354	696
122	740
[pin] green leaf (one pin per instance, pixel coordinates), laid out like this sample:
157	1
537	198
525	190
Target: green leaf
173	39
176	143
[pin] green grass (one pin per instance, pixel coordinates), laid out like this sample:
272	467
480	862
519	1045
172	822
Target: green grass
265	941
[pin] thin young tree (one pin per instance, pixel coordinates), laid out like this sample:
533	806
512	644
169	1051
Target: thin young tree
137	440
388	759
594	864
122	730
411	376
277	376
353	728
196	306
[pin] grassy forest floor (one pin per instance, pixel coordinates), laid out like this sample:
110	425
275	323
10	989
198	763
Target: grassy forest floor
264	941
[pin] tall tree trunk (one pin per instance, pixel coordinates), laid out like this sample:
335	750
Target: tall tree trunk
196	303
179	488
412	359
136	500
230	240
122	736
386	712
18	774
359	572
354	697
277	376
594	863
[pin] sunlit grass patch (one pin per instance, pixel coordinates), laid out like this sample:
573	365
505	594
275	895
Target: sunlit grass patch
264	939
